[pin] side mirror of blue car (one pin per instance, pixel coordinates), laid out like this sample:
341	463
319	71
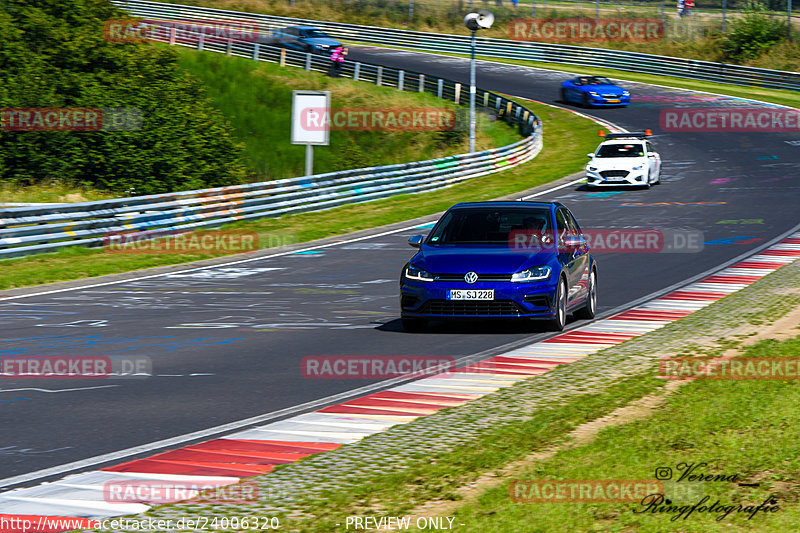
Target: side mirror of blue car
415	241
574	241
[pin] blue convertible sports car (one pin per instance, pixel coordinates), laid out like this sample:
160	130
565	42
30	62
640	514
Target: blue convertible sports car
483	260
305	39
590	91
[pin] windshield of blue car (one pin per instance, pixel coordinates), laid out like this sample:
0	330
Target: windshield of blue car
599	80
315	34
489	226
620	150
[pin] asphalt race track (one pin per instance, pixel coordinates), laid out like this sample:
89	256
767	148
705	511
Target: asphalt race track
226	342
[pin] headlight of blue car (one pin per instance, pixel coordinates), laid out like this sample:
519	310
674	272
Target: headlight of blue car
417	274
532	274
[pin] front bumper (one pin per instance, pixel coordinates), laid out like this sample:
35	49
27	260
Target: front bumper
511	300
609	102
637	179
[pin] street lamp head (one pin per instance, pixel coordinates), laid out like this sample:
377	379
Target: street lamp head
483	19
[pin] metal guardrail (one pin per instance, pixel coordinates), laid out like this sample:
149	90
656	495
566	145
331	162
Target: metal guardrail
496	48
28	230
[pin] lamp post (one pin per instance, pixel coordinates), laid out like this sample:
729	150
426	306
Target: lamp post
474	22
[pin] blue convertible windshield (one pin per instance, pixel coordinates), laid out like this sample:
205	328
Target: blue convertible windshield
488	226
592	80
315	34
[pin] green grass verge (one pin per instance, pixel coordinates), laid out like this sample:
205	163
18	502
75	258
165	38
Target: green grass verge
747	428
567	140
52	192
257	99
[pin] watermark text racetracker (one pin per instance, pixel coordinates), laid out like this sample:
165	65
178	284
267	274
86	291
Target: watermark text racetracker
616	240
757	119
181	241
373	367
156	492
381	119
584	29
75	367
181	31
725	368
79	119
583	490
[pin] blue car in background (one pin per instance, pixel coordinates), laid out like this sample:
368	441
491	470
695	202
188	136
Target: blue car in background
305	39
521	260
591	91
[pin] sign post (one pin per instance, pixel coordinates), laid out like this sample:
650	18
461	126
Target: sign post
311	122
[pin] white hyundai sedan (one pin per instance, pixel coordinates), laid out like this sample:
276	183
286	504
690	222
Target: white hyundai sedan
624	159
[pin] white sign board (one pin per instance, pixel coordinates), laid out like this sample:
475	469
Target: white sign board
310	112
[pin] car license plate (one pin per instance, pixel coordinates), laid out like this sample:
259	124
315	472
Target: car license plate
466	294
614	101
615	179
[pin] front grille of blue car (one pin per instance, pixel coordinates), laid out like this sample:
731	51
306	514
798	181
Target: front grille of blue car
481	277
472	308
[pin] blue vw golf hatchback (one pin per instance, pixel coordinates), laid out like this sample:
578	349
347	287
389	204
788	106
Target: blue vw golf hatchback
523	260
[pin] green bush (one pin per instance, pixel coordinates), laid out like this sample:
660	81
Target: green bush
54	54
752	34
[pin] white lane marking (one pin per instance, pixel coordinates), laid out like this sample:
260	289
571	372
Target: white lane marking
57	390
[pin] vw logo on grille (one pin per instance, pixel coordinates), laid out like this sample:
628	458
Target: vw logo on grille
470	277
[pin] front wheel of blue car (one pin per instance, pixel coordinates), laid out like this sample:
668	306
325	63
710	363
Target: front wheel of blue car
590	309
560	320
